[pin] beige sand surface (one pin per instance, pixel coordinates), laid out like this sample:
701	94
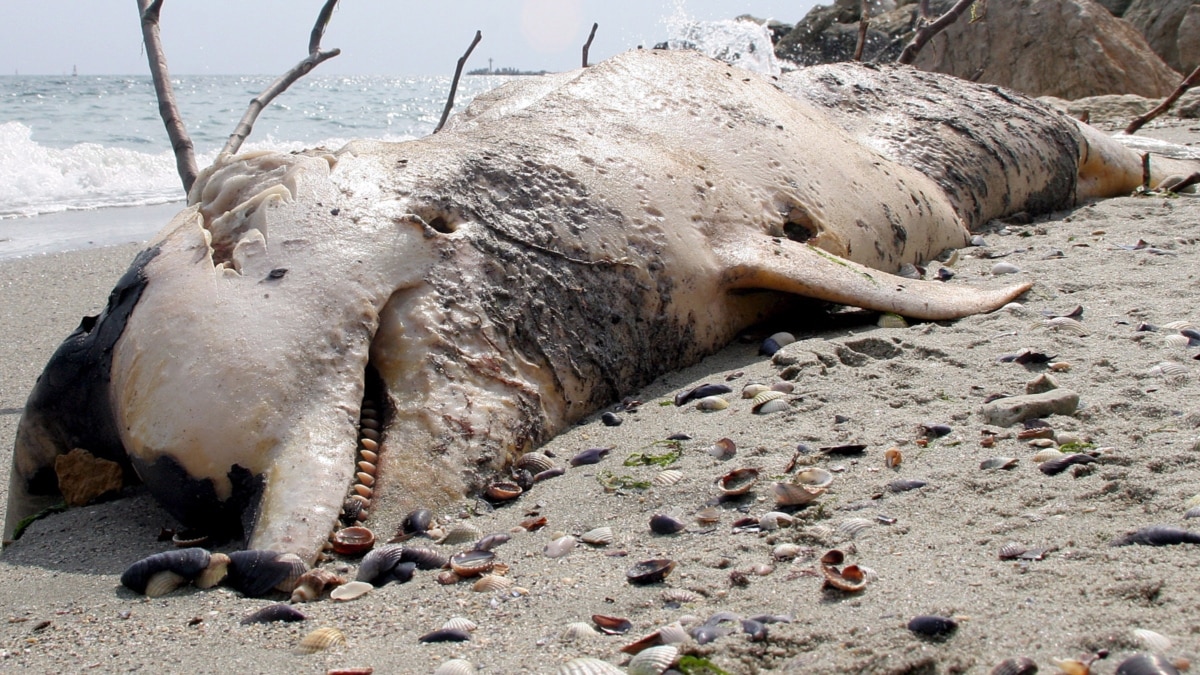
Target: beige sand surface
62	610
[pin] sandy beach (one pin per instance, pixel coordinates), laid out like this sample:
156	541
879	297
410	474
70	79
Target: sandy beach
932	550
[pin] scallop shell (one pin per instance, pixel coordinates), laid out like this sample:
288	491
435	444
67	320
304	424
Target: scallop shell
775	406
534	462
814	477
460	623
667	478
679	596
588	666
1017	666
1046	455
738	481
673	634
1174	373
350	591
752	390
765	397
461	534
1177	341
492	583
600	536
559	547
712	404
789	494
652	660
161	583
320	640
852	527
1065	324
578	630
1155	642
1012	551
890	320
1177	325
455	667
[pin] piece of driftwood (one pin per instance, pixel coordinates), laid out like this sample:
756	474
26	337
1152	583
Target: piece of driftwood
181	143
454	83
928	30
864	21
1188	82
315	57
588	45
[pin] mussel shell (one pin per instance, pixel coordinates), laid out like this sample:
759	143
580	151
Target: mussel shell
702	391
738	481
650	571
188	563
353	540
589	456
272	613
1157	535
905	484
611	419
932	626
255	572
1147	664
1018	666
472	563
445	635
1058	465
661	523
417	522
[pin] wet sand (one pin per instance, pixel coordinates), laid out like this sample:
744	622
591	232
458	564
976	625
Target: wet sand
931	550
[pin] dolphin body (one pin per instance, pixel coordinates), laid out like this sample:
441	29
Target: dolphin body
564	241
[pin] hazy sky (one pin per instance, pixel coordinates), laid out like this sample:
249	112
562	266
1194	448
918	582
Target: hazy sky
375	36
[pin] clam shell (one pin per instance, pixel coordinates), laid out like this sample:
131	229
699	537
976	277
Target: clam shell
1004	463
775	406
1012	551
445	635
1155	642
427	558
667	477
314	582
890	320
893	458
491	583
612	625
600	536
712	404
752	390
353	540
1177	341
589	456
850	578
765	397
377	564
350	591
906	484
1147	664
790	494
852	527
417	522
1004	268
577	630
1062	463
786	551
1157	535
588	666
273	613
1046	454
504	491
1066	324
702	391
455	667
472	563
1178	325
673	634
534	462
723	449
559	547
461	534
161	583
187	563
773	520
649	571
321	639
738	481
256	572
1174	373
1017	666
814	477
1193	512
460	623
652	660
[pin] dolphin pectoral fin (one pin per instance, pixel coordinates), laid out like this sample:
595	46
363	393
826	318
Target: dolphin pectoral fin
800	269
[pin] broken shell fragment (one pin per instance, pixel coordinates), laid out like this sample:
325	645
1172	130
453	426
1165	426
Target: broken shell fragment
723	449
649	571
790	494
351	591
738	481
667	477
589	456
321	639
313	583
559	547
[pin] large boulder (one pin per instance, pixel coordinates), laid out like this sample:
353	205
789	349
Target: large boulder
1172	27
1064	48
1117	7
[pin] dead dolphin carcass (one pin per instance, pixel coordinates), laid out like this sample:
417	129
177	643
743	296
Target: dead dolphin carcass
564	241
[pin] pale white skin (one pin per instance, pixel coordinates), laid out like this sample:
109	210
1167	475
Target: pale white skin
691	171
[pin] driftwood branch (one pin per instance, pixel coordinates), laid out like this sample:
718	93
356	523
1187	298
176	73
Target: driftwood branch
315	58
928	30
454	84
864	20
588	45
1188	82
181	143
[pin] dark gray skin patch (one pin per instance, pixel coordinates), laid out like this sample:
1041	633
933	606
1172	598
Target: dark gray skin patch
193	501
70	402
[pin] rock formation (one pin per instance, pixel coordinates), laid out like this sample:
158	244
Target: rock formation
1171	27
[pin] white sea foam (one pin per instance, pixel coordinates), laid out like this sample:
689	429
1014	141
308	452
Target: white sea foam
745	44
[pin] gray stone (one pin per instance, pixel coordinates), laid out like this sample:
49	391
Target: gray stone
1041	384
1172	29
1006	412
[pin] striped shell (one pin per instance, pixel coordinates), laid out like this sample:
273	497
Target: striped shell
491	583
752	390
788	494
765	397
534	462
461	534
1155	642
1177	341
588	666
773	520
1174	373
667	477
652	660
1178	325
350	591
673	634
851	527
321	639
1065	324
600	536
679	596
1020	665
711	404
577	630
890	320
1046	455
460	623
1012	550
1192	502
455	667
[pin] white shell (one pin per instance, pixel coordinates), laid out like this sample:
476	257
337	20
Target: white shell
1178	325
320	640
490	583
588	666
163	582
1046	455
667	477
786	551
774	406
350	590
652	660
1176	340
559	547
1004	268
851	527
710	404
783	338
679	596
577	630
1155	642
752	390
460	623
461	534
1170	371
600	536
814	477
773	520
455	667
764	396
1065	324
673	634
1015	308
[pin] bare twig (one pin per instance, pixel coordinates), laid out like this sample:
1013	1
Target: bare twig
1145	171
1188	82
588	45
864	20
1188	181
927	31
181	143
315	58
454	84
924	6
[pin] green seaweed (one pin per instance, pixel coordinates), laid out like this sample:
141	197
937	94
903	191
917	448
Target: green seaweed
611	481
698	665
672	455
26	522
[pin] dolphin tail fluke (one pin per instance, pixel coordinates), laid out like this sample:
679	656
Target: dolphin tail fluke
799	269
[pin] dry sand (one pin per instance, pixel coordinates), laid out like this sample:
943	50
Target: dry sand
63	610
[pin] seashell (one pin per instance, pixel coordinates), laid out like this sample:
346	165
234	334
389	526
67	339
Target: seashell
491	583
1173	373
782	338
673	634
504	491
1157	535
353	540
708	515
785	387
763	397
1015	308
1059	464
814	477
367	467
534	462
445	635
587	665
1155	642
737	482
370	434
664	524
548	474
652	660
723	449
379	563
1065	324
1073	666
1018	666
368	445
1178	325
773	520
189	538
852	527
667	477
365	478
850	579
472	563
589	456
184	564
417	522
893	458
461	534
488	543
790	494
702	391
312	583
752	390
577	630
321	639
559	547
611	419
273	613
1193	512
775	406
161	583
678	596
600	536
1012	551
1046	454
711	404
1177	341
649	571
1004	463
362	491
786	551
369	454
1001	268
455	667
891	320
368	422
612	625
460	623
932	626
350	591
256	572
1147	664
906	484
